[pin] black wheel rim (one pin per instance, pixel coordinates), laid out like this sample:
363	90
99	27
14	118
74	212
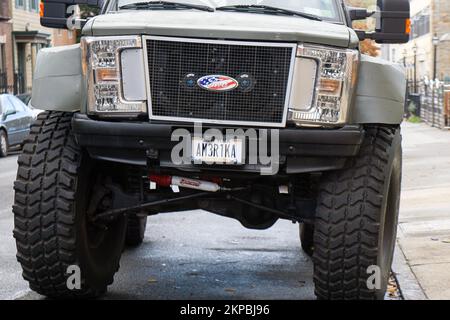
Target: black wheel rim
100	246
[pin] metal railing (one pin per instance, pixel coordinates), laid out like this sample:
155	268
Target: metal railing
3	83
17	86
435	104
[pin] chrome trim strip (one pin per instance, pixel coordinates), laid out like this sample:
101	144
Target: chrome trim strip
88	73
348	87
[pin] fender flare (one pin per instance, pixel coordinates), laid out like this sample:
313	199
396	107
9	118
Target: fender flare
380	94
57	82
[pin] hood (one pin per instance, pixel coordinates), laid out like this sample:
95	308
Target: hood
220	25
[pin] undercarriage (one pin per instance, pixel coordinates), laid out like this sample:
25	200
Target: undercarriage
257	203
141	152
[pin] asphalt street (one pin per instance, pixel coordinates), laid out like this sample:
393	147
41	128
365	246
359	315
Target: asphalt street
11	282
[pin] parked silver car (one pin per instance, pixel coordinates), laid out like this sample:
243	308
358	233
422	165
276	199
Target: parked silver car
15	122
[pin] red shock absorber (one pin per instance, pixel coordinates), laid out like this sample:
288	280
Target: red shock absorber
167	181
160	180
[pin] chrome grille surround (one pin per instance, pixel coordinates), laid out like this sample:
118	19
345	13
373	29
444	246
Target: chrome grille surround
194	104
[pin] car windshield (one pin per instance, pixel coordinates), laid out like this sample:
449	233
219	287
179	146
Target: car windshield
325	9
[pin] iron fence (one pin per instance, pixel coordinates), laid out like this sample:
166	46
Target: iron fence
19	83
3	83
16	87
434	103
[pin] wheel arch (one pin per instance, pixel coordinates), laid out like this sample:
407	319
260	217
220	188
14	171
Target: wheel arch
4	129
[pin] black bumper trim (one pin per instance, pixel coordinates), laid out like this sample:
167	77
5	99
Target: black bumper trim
127	142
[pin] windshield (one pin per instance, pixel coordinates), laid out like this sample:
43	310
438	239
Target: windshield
325	9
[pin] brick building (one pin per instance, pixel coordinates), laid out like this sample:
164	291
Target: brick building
441	16
28	37
430	19
6	61
21	37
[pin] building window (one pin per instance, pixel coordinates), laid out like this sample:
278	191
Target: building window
421	23
2	58
3	73
20	4
33	5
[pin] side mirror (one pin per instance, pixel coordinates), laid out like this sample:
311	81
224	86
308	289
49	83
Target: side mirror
393	23
57	13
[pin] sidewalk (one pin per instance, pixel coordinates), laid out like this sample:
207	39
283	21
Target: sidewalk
424	226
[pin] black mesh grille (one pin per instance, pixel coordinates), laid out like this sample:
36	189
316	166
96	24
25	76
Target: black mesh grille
262	73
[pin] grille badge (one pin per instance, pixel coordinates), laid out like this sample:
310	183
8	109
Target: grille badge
217	83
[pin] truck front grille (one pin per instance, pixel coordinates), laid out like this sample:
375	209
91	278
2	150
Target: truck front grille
263	71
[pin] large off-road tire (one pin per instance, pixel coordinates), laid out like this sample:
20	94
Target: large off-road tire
53	190
3	144
356	220
135	230
307	238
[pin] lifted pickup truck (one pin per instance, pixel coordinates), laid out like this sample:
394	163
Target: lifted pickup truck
253	110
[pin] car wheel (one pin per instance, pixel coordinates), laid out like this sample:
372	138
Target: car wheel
356	220
52	208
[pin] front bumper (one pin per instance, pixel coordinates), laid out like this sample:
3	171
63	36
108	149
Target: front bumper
137	143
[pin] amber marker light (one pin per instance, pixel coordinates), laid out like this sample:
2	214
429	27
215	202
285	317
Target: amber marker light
408	26
330	86
106	74
41	9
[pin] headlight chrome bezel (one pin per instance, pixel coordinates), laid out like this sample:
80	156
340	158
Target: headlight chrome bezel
316	115
120	107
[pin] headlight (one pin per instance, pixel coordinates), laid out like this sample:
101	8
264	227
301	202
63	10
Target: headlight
323	82
101	68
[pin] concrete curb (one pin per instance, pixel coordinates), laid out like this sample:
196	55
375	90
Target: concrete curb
409	286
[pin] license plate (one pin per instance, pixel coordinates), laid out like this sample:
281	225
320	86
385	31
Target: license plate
217	152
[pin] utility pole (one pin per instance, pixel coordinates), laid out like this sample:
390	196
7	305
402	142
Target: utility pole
415	67
405	52
436	42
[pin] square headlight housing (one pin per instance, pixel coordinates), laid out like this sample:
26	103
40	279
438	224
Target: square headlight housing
102	71
323	83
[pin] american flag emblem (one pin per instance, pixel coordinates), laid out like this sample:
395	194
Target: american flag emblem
217	83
